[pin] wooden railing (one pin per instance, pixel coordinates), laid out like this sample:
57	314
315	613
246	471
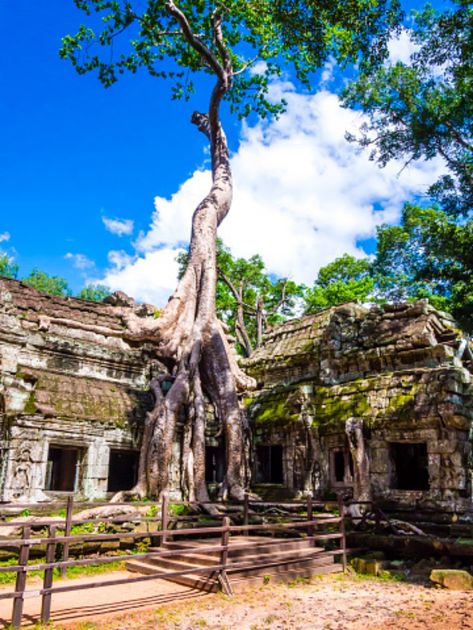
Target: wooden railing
310	525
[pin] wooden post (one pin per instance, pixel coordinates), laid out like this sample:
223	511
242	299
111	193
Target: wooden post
310	529
377	518
222	577
21	579
48	577
341	508
246	506
67	531
164	516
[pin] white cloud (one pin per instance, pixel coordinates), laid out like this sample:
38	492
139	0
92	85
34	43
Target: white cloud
119	258
5	236
150	278
303	196
401	47
80	261
120	227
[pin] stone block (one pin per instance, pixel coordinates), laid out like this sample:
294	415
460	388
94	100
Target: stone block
453	579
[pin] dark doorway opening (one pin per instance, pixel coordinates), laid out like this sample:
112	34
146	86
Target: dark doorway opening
214	464
62	469
122	470
341	467
410	466
270	467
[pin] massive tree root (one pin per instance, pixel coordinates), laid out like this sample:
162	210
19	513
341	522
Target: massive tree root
192	342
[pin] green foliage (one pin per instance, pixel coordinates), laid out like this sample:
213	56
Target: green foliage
43	282
94	292
277	32
8	268
346	279
425	108
430	255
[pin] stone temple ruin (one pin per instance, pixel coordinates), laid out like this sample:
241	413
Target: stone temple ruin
376	402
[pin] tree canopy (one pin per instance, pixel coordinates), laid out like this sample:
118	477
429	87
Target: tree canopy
276	32
429	255
346	279
43	282
94	292
424	108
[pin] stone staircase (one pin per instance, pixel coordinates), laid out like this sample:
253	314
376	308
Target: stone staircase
271	560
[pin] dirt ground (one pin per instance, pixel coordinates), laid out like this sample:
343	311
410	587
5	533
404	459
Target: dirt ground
324	603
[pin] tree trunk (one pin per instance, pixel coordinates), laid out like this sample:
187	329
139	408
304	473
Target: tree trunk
361	464
192	341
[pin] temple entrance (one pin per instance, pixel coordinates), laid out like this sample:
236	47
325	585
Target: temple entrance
270	464
214	464
122	470
409	466
62	470
341	467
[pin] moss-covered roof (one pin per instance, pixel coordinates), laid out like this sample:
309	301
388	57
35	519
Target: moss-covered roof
351	341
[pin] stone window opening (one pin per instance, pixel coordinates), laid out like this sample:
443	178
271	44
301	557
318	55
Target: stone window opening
341	467
122	470
63	468
409	466
269	464
214	464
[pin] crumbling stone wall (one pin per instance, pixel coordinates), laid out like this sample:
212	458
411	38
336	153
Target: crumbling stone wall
401	370
69	377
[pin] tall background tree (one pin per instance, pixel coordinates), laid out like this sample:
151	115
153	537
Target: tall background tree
346	279
179	41
420	110
424	108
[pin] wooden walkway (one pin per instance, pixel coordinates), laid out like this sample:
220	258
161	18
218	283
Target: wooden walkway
220	556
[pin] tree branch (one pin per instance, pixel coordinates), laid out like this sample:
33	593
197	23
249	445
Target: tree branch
206	54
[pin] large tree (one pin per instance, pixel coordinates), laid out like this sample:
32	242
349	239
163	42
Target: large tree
178	41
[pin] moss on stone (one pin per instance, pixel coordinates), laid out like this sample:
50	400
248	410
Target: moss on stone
30	405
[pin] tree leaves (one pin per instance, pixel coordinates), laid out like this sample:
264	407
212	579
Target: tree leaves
303	34
425	108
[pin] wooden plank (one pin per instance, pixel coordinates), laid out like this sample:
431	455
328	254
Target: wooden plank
67	531
48	578
341	507
164	517
20	585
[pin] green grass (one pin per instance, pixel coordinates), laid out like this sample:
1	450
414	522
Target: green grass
72	572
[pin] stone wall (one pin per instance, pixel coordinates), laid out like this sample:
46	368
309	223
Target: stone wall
69	378
401	370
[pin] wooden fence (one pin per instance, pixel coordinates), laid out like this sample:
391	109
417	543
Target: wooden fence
310	525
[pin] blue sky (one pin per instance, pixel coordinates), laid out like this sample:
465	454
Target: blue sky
73	153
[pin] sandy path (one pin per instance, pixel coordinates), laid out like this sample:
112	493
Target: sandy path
327	603
103	603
